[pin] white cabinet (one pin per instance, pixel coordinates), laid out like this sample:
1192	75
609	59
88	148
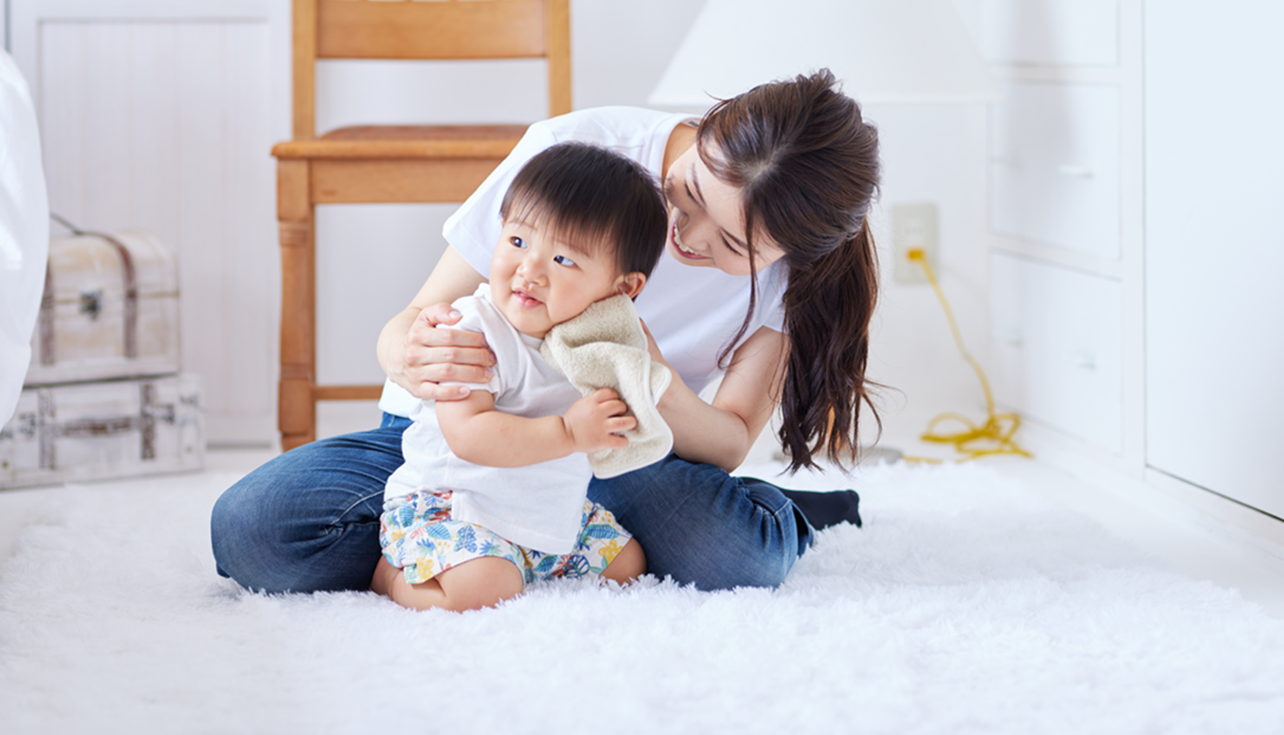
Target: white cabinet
1215	246
1054	151
1060	351
1057	348
1137	239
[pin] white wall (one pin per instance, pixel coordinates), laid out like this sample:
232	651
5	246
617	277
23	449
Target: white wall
931	154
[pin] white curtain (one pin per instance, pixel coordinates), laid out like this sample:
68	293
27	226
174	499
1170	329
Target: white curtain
24	231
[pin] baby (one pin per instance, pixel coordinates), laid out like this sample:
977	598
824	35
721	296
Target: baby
492	495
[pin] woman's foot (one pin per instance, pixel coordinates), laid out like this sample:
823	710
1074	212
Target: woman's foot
825	509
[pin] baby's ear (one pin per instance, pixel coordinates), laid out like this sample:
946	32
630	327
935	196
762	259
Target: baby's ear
630	284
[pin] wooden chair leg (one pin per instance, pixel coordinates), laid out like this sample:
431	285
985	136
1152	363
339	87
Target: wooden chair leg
296	408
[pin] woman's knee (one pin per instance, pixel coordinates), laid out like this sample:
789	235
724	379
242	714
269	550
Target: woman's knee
235	521
759	568
308	519
253	508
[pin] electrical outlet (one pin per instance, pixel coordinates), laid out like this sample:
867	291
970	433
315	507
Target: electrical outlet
913	226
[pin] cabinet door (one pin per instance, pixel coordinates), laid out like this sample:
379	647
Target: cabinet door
1055	153
1215	245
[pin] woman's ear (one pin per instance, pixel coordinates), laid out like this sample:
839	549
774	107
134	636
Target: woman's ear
630	284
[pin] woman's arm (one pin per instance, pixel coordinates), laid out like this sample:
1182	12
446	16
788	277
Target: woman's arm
477	433
721	433
417	355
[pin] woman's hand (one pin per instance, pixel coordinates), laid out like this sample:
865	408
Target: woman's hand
430	355
654	349
416	355
721	433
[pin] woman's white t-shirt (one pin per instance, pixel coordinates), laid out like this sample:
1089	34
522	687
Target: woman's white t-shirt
693	312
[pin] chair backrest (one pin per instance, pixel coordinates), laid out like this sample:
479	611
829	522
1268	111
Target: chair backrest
428	29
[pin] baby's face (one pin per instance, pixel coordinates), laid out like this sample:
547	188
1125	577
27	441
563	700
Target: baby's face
538	282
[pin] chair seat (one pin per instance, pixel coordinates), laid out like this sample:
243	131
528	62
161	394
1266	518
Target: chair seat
406	141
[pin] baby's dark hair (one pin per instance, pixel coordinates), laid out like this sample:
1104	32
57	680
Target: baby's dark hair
592	198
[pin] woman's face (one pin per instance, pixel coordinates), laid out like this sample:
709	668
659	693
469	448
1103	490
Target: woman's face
706	220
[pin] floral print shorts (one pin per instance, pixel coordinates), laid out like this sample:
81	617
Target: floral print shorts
419	537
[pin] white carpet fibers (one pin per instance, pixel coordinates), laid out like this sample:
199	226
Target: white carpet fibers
962	606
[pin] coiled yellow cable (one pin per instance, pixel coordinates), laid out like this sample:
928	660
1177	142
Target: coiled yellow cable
992	437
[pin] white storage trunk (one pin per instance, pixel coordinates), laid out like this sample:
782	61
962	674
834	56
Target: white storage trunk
110	310
103	430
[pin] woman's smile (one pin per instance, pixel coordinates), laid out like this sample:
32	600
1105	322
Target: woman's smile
675	236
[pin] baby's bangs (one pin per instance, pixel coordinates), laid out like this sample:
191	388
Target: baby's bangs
580	231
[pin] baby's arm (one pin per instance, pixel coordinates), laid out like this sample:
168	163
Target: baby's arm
478	433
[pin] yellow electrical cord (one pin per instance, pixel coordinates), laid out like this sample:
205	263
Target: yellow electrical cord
995	435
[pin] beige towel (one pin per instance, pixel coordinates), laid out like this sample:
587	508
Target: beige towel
605	347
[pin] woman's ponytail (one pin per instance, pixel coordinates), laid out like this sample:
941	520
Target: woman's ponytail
828	307
807	165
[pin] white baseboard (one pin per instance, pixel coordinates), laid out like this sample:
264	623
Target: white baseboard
260	432
1220	515
241	432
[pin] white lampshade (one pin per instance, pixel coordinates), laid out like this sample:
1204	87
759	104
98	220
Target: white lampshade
884	51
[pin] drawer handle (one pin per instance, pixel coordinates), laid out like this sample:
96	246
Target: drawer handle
1075	172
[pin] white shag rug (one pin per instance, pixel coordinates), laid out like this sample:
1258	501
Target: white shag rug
963	606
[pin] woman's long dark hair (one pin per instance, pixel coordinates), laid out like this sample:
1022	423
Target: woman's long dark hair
807	164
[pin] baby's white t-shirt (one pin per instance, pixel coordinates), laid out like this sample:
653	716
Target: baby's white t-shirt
538	506
693	312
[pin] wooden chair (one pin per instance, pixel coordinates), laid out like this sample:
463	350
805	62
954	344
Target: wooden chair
388	163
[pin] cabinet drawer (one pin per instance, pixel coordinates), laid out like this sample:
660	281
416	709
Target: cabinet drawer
1076	32
1057	348
1054	151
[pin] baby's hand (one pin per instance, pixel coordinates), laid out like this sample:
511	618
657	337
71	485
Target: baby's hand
594	422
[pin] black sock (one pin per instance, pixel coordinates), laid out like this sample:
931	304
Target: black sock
825	509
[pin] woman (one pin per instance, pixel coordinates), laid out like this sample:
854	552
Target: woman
770	277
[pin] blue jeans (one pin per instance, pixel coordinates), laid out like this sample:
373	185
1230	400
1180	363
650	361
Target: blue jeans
308	520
